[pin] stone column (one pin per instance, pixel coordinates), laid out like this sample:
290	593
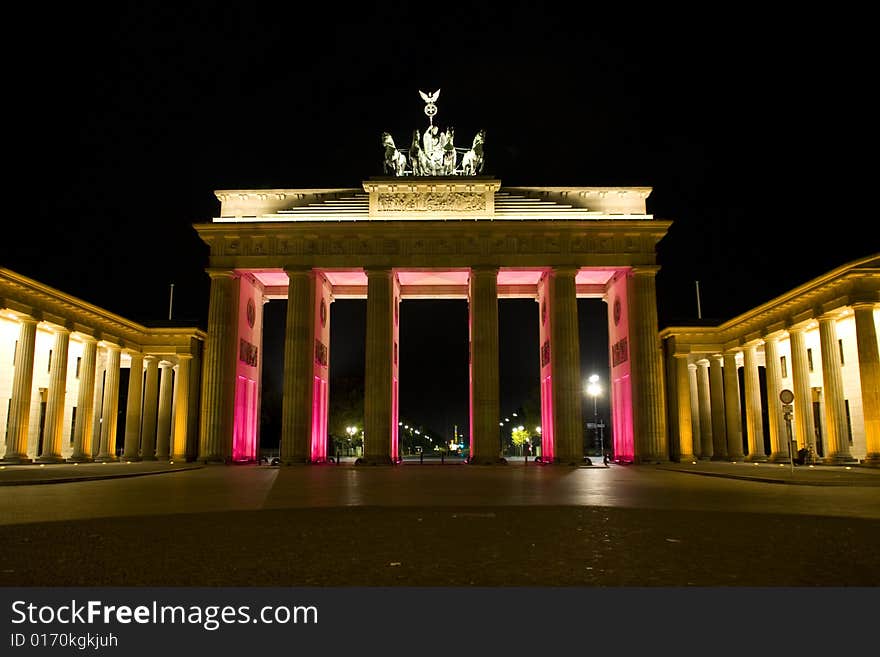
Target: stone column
485	402
379	364
181	408
837	443
732	417
778	430
716	391
94	441
647	372
706	450
134	408
218	388
568	424
753	405
683	395
110	407
804	427
151	408
694	397
54	426
163	429
869	373
85	410
299	358
20	406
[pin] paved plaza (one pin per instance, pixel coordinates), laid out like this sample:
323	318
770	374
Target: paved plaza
703	524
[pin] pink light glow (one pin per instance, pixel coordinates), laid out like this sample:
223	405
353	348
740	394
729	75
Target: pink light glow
395	436
622	413
548	446
244	441
320	400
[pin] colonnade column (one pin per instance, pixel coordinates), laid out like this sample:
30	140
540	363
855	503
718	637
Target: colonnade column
778	433
568	427
85	410
869	373
94	441
716	388
151	408
706	449
163	429
647	371
181	408
134	408
299	356
837	443
218	387
485	403
378	382
54	424
733	419
804	427
110	406
683	394
694	396
20	406
753	404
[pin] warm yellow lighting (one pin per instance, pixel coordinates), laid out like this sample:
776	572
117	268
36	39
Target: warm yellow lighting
734	462
42	465
848	468
756	464
76	463
2	467
782	465
812	466
693	462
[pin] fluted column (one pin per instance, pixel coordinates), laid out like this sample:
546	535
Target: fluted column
869	374
804	427
778	432
20	405
299	357
753	405
110	407
218	388
93	445
163	427
85	410
706	448
694	397
646	370
485	404
133	410
378	368
732	417
181	408
716	393
151	408
683	395
568	424
837	443
54	425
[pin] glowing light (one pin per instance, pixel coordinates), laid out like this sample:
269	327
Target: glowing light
693	462
847	468
782	465
171	462
501	424
42	465
756	465
513	414
812	466
537	429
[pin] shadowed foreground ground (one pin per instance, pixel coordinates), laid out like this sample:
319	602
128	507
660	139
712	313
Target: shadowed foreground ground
445	546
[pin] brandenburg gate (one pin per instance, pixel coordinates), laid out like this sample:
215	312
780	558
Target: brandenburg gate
433	227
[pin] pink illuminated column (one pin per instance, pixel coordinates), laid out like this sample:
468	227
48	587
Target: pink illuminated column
249	340
379	434
484	393
648	394
617	294
568	429
221	356
299	358
395	373
548	442
321	372
20	404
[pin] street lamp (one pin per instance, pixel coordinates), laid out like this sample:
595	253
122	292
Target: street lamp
594	390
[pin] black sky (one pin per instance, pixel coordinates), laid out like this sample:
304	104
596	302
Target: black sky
132	114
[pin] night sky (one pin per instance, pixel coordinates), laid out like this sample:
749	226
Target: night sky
131	116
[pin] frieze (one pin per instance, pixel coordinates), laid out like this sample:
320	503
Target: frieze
432	202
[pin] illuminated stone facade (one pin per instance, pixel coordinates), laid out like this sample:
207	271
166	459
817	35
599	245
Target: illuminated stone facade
455	237
819	341
61	361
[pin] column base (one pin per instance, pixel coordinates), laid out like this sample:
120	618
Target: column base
16	460
779	457
840	459
133	459
105	459
178	458
872	461
49	459
148	458
733	458
79	458
756	458
375	460
687	458
720	457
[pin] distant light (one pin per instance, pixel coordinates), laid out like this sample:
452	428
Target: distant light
734	462
76	463
171	461
128	461
694	462
756	464
782	465
847	468
538	429
812	466
2	467
513	414
507	419
42	465
501	424
400	424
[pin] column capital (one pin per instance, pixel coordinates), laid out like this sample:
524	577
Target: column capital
181	357
717	357
863	305
377	271
133	352
645	270
565	270
149	358
215	272
830	316
85	337
703	362
109	346
692	366
165	363
775	336
298	270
